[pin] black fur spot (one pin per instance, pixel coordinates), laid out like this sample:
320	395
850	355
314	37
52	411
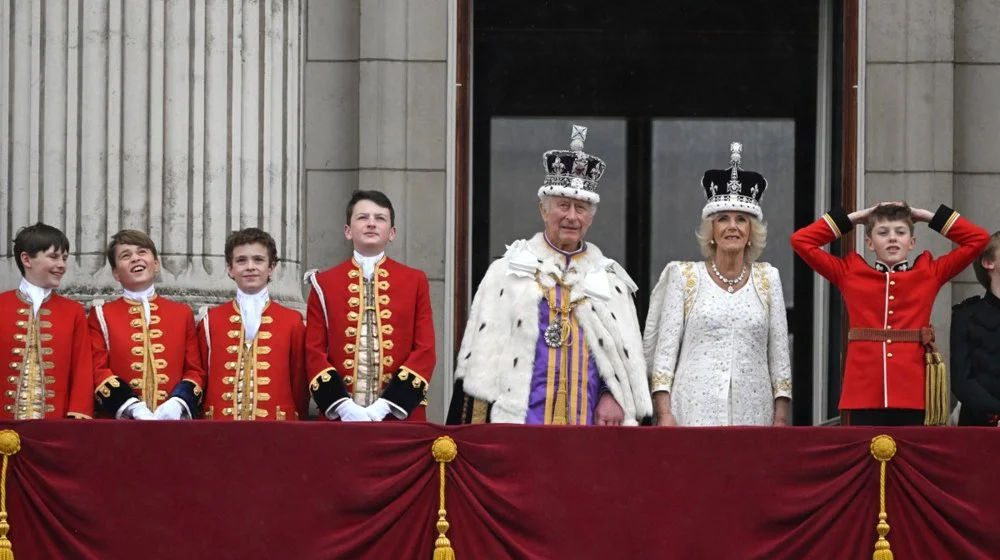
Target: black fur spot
594	309
483	326
600	342
518	323
515	362
619	289
469	355
501	292
613	317
626	352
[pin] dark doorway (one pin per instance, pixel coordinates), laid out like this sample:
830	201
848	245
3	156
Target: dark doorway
664	87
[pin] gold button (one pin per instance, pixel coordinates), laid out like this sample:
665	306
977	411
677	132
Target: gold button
888	342
888	355
888	327
892	282
890	312
892	297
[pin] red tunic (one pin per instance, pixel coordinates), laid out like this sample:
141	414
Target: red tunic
405	331
273	381
887	374
63	354
151	361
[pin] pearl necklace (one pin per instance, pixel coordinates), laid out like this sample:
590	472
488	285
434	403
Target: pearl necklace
725	280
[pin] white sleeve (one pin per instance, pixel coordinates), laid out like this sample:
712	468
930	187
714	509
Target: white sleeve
778	362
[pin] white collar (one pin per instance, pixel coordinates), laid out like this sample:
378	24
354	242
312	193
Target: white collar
34	294
251	310
143	297
368	263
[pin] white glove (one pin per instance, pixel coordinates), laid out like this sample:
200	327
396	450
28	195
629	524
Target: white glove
138	411
349	411
378	410
172	409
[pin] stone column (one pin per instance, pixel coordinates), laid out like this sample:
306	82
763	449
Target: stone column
909	117
977	119
178	118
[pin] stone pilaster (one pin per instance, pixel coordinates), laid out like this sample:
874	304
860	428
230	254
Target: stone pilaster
180	119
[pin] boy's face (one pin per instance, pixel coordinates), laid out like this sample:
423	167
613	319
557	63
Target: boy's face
135	267
251	268
45	269
891	241
370	229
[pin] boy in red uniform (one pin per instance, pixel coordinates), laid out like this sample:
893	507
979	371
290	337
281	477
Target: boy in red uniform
888	303
252	347
144	345
369	332
44	335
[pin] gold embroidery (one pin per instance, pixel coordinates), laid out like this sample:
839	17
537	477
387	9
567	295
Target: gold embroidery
263	335
263	350
387	344
353	288
348	379
263	366
135	323
353	273
352	316
263	380
231	366
349	348
233	334
266	320
690	282
22	311
136	366
135	383
234	318
348	364
155	333
19	337
232	349
662	380
383	273
228	379
783	386
136	350
383	285
354	302
385	314
386	329
136	337
351	331
21	324
387	361
209	413
383	299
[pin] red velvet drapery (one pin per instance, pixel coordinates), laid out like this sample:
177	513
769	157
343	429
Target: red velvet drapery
105	489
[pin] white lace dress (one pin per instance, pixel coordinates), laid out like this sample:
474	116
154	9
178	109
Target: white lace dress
722	356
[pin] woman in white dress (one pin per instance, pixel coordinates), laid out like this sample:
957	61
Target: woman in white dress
716	338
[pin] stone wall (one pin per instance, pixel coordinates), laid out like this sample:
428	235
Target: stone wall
375	100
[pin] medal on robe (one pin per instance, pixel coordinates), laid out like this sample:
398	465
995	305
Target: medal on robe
553	336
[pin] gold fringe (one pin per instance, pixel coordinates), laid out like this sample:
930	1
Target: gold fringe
937	395
10	443
883	448
444	451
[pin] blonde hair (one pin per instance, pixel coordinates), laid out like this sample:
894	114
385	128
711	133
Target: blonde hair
758	238
990	254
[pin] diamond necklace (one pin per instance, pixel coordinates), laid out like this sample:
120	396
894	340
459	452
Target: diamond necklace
725	280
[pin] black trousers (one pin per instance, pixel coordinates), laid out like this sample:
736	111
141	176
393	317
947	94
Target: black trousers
883	417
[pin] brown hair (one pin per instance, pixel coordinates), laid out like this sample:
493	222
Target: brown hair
990	254
36	239
378	197
249	236
130	237
889	213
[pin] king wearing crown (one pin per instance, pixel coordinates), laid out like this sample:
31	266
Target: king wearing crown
553	336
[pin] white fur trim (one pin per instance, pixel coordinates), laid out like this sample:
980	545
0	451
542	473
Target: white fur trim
731	206
502	332
568	192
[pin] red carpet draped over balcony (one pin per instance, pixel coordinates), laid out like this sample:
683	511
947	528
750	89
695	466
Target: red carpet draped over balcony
105	489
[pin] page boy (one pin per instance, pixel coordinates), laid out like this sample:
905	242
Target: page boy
889	306
43	335
146	360
369	332
251	346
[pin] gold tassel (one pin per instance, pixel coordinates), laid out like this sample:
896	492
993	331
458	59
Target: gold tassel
444	451
883	448
10	443
937	398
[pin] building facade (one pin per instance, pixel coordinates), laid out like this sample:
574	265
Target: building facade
190	119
